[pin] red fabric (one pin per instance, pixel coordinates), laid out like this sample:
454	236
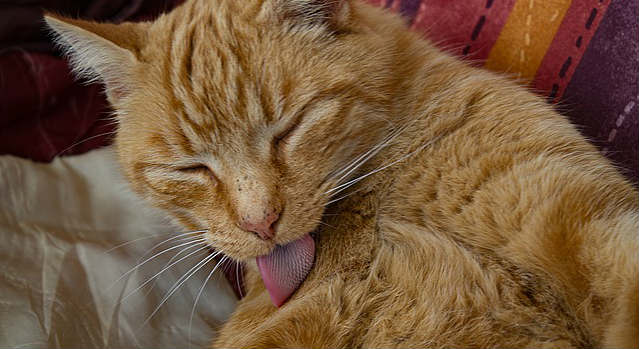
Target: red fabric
451	25
564	46
44	112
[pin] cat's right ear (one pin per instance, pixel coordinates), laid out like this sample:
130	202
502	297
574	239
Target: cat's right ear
101	51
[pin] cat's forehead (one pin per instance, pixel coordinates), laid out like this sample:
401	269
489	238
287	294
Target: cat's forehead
237	79
225	39
228	77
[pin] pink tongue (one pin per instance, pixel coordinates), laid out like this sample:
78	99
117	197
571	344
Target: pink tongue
284	270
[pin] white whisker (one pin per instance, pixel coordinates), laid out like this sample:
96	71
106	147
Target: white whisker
369	154
133	241
197	298
197	241
355	161
164	269
167	264
82	141
173	238
237	278
353	181
342	197
179	283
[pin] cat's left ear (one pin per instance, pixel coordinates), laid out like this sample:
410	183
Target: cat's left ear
333	14
103	52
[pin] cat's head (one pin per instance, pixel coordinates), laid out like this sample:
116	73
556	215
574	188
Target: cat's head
239	116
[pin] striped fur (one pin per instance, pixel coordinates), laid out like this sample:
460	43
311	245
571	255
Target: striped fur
492	224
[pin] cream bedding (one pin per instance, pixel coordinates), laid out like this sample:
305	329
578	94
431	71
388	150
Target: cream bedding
57	281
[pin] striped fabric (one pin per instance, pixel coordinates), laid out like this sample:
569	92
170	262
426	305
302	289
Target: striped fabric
581	54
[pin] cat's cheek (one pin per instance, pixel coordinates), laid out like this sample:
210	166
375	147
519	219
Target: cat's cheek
185	218
304	210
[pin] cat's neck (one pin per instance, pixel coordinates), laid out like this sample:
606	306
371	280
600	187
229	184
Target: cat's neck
420	111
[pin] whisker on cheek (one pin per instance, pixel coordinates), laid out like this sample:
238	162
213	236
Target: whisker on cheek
83	141
154	236
196	241
197	298
360	160
379	169
355	164
179	283
237	278
343	197
134	241
368	155
168	264
164	269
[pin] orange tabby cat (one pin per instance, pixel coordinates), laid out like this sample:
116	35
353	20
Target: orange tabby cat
381	192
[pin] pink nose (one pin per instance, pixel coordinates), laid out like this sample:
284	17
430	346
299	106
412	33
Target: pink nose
263	227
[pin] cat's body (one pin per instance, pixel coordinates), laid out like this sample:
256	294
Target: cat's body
495	225
507	230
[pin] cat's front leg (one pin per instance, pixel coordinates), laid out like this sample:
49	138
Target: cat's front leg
305	322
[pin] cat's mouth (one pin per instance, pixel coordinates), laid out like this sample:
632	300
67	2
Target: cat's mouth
286	267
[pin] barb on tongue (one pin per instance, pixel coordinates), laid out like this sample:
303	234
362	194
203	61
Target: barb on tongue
286	267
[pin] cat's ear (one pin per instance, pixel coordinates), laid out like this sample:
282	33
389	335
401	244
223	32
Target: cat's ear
100	51
333	14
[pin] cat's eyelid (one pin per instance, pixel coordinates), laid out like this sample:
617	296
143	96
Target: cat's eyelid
290	127
193	167
198	170
293	123
191	163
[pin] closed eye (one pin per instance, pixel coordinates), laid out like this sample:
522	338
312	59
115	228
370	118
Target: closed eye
198	170
288	132
293	124
194	169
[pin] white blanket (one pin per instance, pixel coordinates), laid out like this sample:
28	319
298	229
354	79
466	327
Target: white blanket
58	284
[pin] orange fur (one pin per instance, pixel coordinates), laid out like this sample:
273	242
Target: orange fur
497	224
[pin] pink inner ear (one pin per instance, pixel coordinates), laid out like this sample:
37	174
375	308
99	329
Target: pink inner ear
286	267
